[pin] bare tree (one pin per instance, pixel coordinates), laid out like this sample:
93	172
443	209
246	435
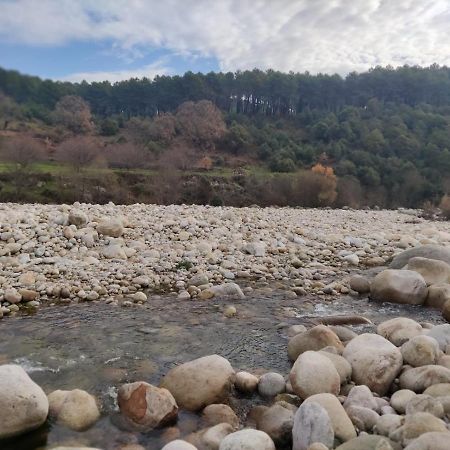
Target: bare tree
80	152
22	151
127	156
74	113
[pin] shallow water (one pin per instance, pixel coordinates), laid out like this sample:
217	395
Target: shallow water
98	347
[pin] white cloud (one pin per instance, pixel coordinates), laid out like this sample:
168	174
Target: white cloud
148	71
298	35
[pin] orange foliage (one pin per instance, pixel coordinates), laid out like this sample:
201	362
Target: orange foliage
323	170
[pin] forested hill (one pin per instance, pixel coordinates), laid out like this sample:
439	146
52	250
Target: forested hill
269	93
385	133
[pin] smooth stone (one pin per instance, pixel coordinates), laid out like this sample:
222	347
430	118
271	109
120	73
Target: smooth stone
246	382
375	361
277	422
363	418
359	284
425	403
312	424
433	271
247	439
388	423
420	351
368	442
271	384
438	295
343	367
219	413
430	251
430	441
419	378
401	398
399	330
442	334
361	396
179	444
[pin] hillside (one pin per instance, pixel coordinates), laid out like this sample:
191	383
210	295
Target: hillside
375	138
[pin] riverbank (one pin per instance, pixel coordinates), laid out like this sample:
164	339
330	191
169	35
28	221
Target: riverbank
118	254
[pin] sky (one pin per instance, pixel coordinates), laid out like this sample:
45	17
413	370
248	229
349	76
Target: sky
96	40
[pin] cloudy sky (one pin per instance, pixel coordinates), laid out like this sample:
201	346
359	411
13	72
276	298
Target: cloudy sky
118	39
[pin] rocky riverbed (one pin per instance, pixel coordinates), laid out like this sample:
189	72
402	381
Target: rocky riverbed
188	327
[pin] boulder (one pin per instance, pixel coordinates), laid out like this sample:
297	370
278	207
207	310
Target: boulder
246	382
375	361
420	351
199	383
277	422
342	366
425	403
304	379
369	442
399	330
111	227
271	384
419	378
342	425
401	398
363	418
438	390
146	406
77	218
388	423
312	424
219	413
361	396
399	286
430	441
442	334
314	339
359	284
430	251
23	404
179	444
438	295
113	251
416	425
226	289
247	439
211	438
74	409
445	311
433	271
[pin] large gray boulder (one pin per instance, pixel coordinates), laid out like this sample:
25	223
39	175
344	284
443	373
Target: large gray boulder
199	383
399	286
431	251
432	270
312	424
375	361
23	404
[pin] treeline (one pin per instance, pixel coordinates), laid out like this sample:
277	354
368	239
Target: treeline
256	92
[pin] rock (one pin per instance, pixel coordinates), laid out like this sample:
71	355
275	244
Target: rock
399	330
199	279
442	334
446	311
364	419
146	406
113	251
12	296
438	295
318	446
219	413
296	329
419	378
438	390
255	248
312	424
227	289
74	409
211	438
179	445
314	339
342	332
277	422
425	403
400	399
361	396
359	284
399	286
77	218
369	442
430	441
247	439
246	382
416	425
304	379
270	384
433	271
199	383
375	361
388	423
23	404
430	251
420	351
351	259
342	366
342	425
111	227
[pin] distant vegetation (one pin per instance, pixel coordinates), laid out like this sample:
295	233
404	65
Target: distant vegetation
375	138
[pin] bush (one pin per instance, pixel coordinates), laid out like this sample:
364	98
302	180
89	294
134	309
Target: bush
109	127
445	206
